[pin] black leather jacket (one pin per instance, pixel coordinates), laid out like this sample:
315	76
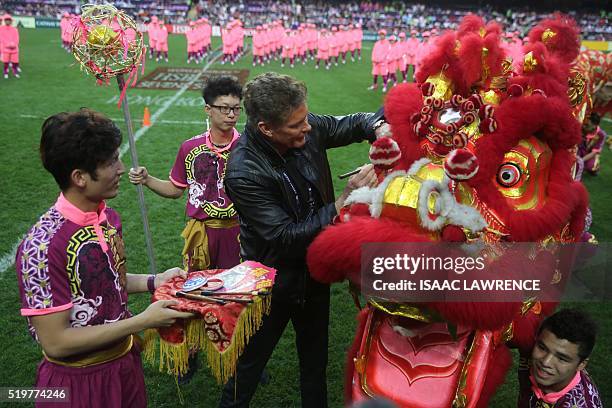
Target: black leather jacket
271	231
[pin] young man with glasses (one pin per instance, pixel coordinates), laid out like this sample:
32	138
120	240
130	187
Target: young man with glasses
211	234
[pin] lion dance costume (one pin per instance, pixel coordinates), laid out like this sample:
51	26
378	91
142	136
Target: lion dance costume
479	149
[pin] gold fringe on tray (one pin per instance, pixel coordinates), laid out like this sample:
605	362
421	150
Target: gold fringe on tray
223	364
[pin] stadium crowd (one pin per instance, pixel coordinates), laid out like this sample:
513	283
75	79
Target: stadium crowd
370	15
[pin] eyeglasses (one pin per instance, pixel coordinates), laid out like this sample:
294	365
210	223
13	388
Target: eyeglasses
227	109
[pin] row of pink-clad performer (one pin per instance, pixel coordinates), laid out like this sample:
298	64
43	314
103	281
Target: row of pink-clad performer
400	53
9	46
198	38
267	42
158	39
232	39
326	46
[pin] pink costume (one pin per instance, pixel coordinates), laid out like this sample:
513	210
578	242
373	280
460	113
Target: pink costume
343	40
323	46
192	39
299	41
423	50
74	261
152	31
333	43
312	38
238	36
279	36
401	50
267	40
65	30
207	33
394	56
162	37
288	45
258	45
379	57
412	46
9	44
226	39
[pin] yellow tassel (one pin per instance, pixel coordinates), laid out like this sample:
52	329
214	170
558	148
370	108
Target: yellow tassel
175	357
148	345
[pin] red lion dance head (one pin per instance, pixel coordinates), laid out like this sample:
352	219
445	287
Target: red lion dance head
480	148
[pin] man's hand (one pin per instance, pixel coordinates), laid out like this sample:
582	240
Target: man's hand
365	178
160	278
159	314
138	175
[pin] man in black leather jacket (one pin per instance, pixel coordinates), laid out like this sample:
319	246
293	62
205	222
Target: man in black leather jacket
280	182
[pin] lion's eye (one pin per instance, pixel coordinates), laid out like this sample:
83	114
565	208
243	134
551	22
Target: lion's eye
508	175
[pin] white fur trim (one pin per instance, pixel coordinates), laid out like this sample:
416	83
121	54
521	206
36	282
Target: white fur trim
360	195
379	192
416	166
466	217
443	204
449	211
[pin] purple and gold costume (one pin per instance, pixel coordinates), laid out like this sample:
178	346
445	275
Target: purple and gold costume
72	260
211	236
581	392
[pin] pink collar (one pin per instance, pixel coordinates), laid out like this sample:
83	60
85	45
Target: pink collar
553	397
218	150
74	214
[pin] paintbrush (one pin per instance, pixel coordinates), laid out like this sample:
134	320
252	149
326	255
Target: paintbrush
251	293
192	296
349	174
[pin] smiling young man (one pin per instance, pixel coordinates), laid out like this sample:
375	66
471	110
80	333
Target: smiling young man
71	270
280	181
555	375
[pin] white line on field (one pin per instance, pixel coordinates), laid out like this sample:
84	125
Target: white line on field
9	258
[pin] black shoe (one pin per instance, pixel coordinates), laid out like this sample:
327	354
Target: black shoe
193	367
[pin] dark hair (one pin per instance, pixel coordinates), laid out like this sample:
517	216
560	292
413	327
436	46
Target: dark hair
595	118
222	85
271	98
574	326
77	140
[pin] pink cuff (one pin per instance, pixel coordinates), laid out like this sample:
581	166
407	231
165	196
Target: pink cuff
45	311
176	183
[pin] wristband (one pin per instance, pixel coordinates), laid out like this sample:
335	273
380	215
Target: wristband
151	283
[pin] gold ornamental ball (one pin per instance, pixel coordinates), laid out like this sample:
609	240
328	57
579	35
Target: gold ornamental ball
101	35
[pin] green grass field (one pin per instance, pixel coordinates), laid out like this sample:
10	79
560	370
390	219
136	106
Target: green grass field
51	82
